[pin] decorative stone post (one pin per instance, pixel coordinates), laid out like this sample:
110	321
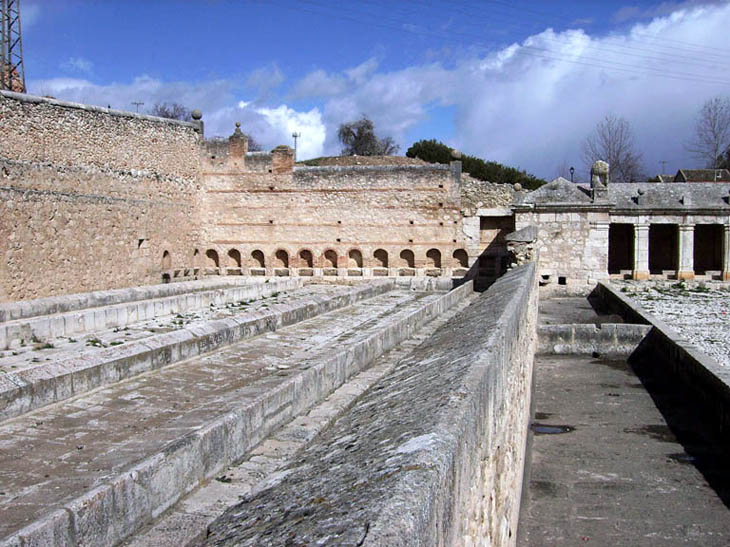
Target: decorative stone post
726	253
599	180
641	251
686	251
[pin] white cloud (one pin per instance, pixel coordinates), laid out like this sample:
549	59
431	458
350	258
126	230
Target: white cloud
265	79
532	104
77	64
529	104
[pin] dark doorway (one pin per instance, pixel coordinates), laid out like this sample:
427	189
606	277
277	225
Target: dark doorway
620	248
708	247
663	247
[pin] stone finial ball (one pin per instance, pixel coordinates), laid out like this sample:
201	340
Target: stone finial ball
518	187
455	154
196	114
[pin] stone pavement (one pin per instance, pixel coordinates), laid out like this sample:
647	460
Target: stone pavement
608	468
54	455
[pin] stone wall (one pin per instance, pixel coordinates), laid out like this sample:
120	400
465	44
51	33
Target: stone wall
572	245
91	199
264	216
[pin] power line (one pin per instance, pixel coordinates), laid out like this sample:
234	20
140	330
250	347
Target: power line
360	17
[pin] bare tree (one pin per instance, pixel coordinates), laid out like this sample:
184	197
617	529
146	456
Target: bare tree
359	138
174	111
613	141
712	132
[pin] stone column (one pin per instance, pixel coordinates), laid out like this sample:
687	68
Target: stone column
726	253
686	268
641	251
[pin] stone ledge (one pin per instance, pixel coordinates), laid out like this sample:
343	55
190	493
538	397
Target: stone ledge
27	390
93	319
60	304
616	340
110	512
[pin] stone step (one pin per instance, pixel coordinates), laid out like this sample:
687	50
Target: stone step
91	470
77	368
53	305
185	524
133	306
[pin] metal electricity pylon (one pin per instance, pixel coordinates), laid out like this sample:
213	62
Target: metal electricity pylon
12	75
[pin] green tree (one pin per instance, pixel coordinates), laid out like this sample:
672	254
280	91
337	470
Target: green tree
359	138
434	151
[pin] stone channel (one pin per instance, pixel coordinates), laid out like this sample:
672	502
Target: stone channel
620	456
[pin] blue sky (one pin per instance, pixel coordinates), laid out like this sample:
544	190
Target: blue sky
519	82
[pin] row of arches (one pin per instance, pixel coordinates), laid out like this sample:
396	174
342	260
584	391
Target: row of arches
306	258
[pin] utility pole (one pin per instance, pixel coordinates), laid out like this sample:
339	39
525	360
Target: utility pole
137	104
296	135
12	73
664	166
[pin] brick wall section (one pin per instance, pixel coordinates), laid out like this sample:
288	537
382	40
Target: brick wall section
90	199
267	206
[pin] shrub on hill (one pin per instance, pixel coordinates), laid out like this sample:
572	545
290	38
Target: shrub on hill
434	151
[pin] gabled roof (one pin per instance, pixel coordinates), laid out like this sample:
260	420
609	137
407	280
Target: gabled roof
558	191
702	175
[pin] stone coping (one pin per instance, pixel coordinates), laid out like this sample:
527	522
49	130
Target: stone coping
60	304
432	454
36	99
48	383
113	510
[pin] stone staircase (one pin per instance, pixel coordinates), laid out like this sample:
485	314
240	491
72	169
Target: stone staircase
149	421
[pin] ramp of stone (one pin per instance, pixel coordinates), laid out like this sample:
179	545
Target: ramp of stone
75	366
430	455
92	469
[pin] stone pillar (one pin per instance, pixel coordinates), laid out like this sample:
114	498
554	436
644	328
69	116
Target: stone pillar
686	268
641	251
726	253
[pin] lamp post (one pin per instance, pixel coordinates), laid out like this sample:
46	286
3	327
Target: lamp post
572	170
296	135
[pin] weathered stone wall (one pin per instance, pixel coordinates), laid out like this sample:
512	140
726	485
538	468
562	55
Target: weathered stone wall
90	199
572	244
339	216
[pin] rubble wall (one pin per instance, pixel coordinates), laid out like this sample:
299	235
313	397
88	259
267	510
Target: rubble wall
91	199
